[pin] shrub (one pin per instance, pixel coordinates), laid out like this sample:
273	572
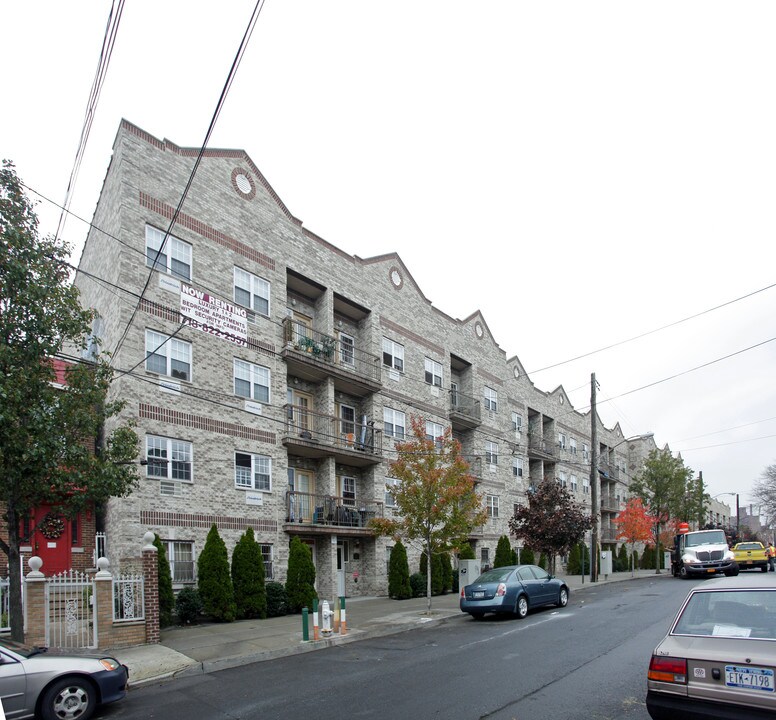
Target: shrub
635	560
467	553
622	559
437	578
166	595
250	595
399	573
503	553
543	561
277	599
513	557
418	584
527	556
575	565
188	606
447	572
214	579
300	581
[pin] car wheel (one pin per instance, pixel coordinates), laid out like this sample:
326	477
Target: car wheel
69	699
764	568
563	597
683	572
731	573
521	606
477	616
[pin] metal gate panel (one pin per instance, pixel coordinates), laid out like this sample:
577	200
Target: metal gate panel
70	611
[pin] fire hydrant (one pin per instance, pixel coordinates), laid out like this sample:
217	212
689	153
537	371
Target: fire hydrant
326	615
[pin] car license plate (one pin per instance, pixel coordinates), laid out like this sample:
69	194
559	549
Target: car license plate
750	678
711	570
477	595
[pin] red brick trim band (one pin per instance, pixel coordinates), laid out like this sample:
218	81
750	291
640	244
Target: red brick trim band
155	518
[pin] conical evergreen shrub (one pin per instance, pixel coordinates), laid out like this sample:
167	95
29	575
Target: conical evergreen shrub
399	573
166	594
503	553
527	556
300	580
250	593
466	552
447	572
214	580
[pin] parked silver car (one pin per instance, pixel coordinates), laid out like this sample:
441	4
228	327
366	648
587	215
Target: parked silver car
718	660
51	686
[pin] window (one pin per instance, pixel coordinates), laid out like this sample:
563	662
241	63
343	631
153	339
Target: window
252	472
491	399
251	381
390	500
574	483
562	479
266	556
433	372
393	355
586	486
491	502
251	292
347	349
434	432
517	421
174	258
168	459
585	452
517	467
166	355
347	490
485	558
180	555
347	421
573	446
491	452
562	441
394	423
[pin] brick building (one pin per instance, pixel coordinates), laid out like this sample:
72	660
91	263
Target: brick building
270	374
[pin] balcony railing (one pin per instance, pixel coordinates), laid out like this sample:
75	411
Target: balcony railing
608	472
464	410
318	352
540	447
610	503
321	510
313	434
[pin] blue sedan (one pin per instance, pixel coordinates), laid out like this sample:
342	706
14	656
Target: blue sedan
513	589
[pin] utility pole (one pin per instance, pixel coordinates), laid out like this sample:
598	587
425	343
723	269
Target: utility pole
594	482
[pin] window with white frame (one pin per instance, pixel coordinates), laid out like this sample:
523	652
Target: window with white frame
435	432
491	399
433	372
394	423
562	441
491	452
573	483
251	381
168	459
573	446
585	452
390	500
491	503
347	490
174	258
347	346
517	421
180	555
251	291
167	355
517	467
252	472
586	486
393	354
562	478
266	556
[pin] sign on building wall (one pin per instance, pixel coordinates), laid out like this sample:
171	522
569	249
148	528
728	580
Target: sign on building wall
213	315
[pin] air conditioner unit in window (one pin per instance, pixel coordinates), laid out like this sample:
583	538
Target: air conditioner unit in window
170	488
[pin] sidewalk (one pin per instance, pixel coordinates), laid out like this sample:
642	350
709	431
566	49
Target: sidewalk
209	647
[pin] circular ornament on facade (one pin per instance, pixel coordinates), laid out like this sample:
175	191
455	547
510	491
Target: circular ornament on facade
396	279
52	526
516	371
479	331
243	183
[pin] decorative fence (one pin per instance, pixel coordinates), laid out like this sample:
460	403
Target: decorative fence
69	599
5	623
128	598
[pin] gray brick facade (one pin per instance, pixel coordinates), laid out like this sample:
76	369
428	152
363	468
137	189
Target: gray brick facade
318	417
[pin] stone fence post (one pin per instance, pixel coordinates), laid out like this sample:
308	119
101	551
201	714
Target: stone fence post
151	585
35	604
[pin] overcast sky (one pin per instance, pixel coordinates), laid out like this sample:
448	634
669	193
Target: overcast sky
581	172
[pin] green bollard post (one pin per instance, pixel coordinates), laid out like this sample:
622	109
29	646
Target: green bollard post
305	630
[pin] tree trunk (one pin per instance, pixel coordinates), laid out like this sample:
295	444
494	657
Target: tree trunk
15	609
657	549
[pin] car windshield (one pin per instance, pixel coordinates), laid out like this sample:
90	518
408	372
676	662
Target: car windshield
495	575
729	613
715	537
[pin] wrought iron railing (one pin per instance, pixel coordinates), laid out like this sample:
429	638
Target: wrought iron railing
330	510
332	431
333	351
128	598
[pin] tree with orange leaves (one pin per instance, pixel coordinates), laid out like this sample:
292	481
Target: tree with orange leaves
635	524
436	502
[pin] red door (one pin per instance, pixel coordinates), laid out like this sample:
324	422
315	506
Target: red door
52	540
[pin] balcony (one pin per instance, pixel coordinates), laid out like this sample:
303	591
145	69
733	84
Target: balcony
608	472
313	356
327	514
539	448
314	435
464	411
609	503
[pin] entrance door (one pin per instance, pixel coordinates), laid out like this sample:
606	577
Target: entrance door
342	559
304	487
52	539
299	415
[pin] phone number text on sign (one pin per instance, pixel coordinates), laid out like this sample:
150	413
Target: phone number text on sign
214	316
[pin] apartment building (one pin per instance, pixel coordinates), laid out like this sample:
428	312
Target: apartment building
270	374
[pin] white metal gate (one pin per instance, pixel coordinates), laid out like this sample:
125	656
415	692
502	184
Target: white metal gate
70	611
